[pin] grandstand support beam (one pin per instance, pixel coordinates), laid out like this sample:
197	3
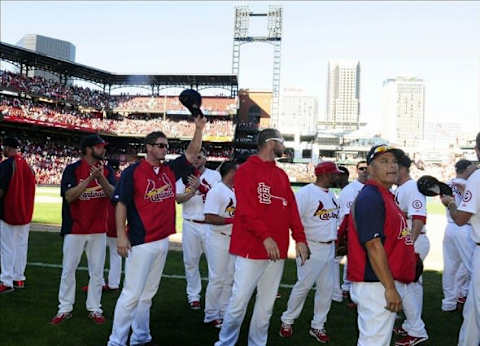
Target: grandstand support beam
274	37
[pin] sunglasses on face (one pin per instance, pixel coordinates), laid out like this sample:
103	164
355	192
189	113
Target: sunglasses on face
160	145
279	140
362	169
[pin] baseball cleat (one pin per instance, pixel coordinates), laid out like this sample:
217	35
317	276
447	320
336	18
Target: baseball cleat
96	317
195	305
286	330
410	340
6	289
60	317
217	323
19	284
320	335
400	331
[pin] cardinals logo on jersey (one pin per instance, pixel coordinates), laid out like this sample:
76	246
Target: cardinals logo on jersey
265	196
155	194
230	209
326	214
405	233
92	192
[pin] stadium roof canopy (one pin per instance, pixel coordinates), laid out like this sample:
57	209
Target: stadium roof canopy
29	59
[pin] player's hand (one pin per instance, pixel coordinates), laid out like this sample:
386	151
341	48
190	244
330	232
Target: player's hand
95	171
446	200
193	182
302	251
200	122
394	302
123	245
272	249
460	187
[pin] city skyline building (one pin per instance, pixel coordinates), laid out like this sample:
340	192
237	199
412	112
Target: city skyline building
404	111
343	94
49	46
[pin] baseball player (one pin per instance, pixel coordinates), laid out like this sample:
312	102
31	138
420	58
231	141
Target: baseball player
414	205
86	188
469	212
457	244
266	210
380	250
115	270
145	197
346	198
17	191
318	208
219	210
192	197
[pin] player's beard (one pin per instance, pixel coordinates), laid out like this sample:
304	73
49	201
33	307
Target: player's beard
97	156
278	152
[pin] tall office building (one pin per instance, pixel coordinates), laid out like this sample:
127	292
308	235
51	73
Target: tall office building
343	94
49	46
404	111
298	112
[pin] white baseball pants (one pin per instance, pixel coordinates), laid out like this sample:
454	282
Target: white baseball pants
115	270
221	266
143	271
337	290
194	244
452	261
265	275
462	281
346	284
470	331
412	302
316	270
13	252
73	247
375	323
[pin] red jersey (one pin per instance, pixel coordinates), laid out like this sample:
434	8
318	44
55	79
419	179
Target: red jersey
376	215
17	180
88	214
266	207
148	192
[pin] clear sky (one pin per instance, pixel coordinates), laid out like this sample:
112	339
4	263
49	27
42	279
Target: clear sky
435	41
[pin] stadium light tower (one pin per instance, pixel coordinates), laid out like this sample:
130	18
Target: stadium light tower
273	37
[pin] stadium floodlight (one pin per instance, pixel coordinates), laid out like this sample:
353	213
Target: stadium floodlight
273	37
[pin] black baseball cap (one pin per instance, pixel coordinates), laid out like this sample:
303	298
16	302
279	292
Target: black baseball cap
91	141
403	159
381	149
11	142
462	165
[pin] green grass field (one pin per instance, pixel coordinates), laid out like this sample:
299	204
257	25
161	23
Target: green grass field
26	313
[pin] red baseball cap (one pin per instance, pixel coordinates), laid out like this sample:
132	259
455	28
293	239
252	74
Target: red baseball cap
327	167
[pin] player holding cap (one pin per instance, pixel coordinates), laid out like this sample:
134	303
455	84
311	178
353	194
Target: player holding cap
318	209
346	198
146	198
86	188
469	212
219	210
414	206
380	250
192	197
17	191
457	243
266	210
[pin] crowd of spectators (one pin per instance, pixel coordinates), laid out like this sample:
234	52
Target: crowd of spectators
100	100
42	113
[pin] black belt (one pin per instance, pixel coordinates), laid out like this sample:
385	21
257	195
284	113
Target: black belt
196	221
321	242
